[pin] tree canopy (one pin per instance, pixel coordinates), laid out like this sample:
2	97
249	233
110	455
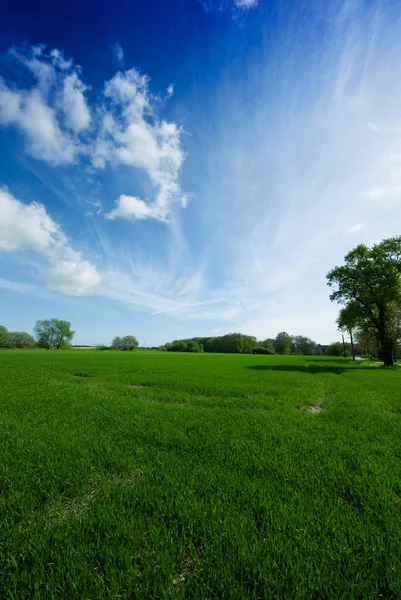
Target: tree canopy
238	343
53	333
283	343
338	349
128	342
368	286
20	339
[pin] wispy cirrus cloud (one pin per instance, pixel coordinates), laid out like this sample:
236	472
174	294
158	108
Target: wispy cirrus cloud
118	53
241	5
356	228
245	4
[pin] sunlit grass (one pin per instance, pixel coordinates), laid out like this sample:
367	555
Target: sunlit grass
158	475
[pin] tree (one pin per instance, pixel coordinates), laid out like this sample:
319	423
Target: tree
3	337
193	346
337	349
367	343
303	345
128	342
53	333
283	343
268	344
369	287
20	339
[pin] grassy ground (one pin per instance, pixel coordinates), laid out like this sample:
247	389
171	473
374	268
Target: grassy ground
140	475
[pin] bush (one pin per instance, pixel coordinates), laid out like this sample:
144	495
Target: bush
262	350
337	349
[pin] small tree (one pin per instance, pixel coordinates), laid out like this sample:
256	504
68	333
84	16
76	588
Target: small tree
3	337
303	345
53	333
128	342
367	343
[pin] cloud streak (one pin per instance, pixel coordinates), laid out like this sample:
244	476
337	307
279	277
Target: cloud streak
239	5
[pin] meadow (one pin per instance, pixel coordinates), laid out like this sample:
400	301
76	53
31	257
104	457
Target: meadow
167	475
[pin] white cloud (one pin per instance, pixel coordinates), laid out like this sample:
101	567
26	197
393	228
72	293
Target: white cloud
245	3
73	104
131	135
73	276
50	113
131	207
389	191
17	286
38	123
123	128
29	227
170	90
26	226
356	228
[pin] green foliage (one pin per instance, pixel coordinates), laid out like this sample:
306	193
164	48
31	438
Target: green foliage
303	345
269	344
232	343
53	333
337	349
283	343
162	475
367	343
237	343
20	339
3	337
128	342
193	346
369	288
263	350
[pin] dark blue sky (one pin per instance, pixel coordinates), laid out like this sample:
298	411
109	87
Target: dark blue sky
154	34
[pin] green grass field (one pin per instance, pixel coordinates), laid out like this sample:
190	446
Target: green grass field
154	475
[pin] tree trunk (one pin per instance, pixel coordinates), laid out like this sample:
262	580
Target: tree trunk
352	344
345	353
386	345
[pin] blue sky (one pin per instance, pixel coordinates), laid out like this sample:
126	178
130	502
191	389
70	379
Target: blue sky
193	167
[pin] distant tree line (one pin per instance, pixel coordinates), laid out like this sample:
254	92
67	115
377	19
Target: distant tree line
15	339
50	333
238	343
